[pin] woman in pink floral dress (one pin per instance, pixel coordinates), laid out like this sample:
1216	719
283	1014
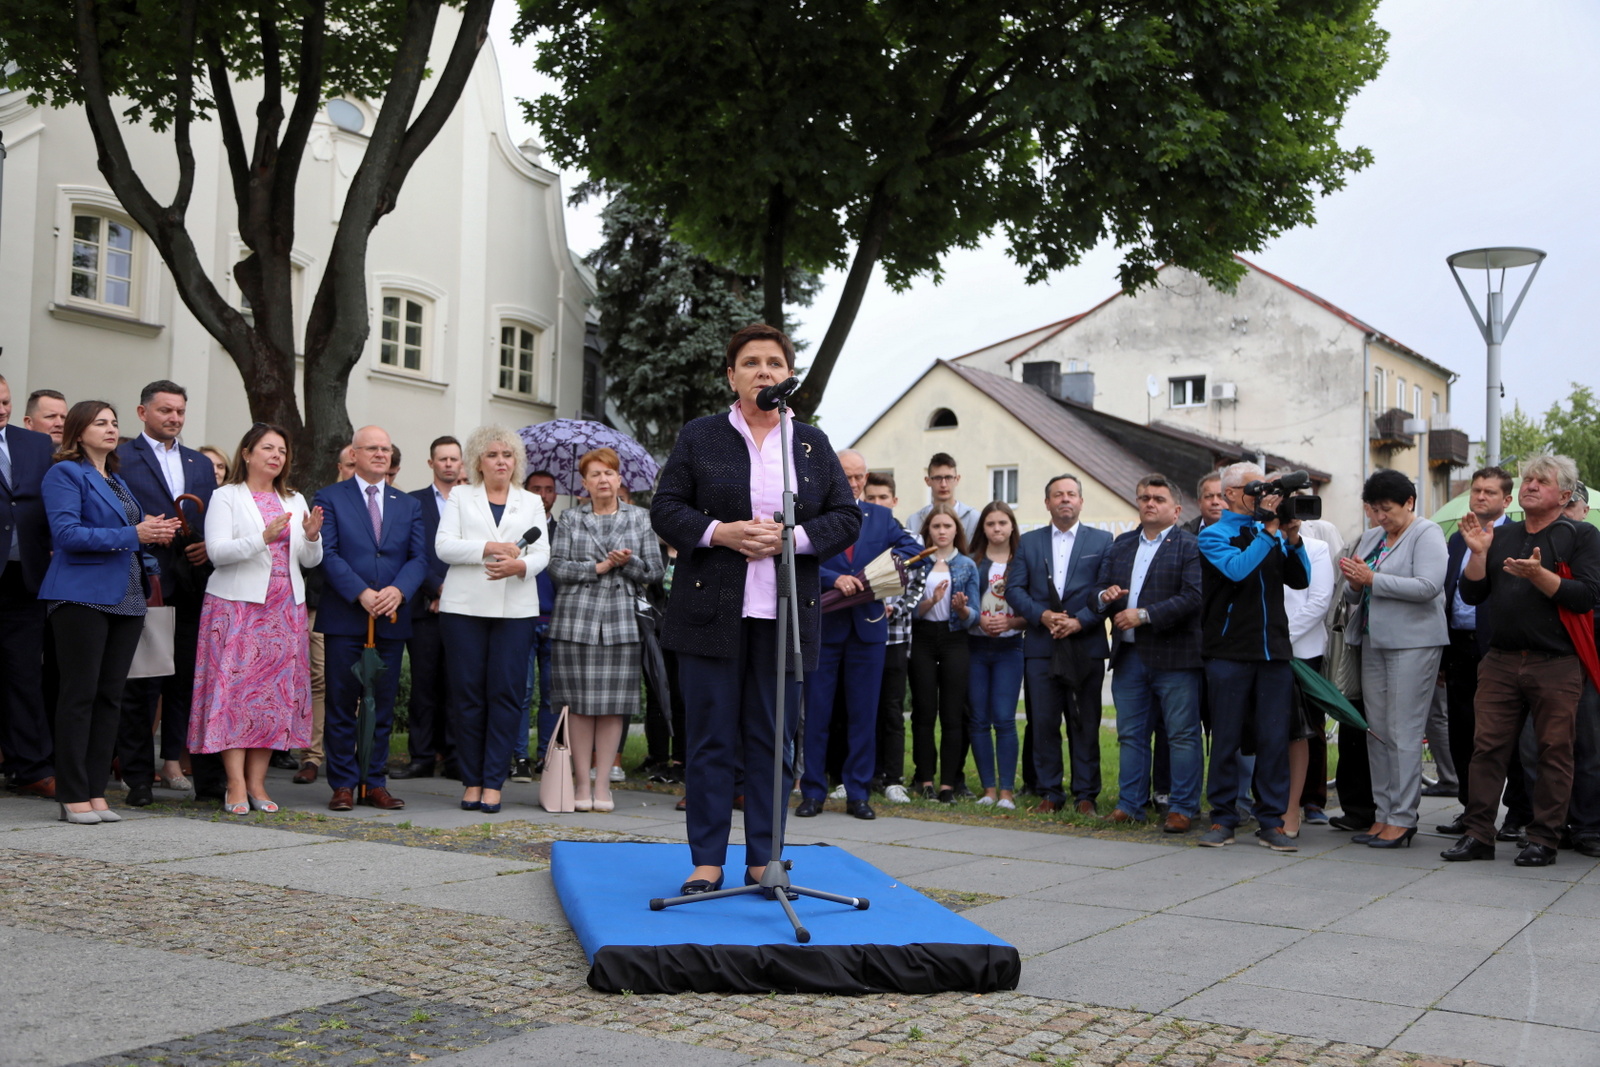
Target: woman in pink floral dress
252	691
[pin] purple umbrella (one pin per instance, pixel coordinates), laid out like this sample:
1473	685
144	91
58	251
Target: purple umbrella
555	446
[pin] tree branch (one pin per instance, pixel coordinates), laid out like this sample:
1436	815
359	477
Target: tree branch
182	143
228	120
307	103
470	38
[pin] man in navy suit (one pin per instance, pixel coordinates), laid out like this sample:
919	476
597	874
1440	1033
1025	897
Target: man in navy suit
1052	586
373	561
24	556
853	641
158	469
430	694
1149	585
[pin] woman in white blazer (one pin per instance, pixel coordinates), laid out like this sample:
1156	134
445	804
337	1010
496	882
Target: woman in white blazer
487	607
252	691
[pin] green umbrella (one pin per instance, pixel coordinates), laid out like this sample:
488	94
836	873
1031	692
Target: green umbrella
368	668
1322	695
1449	514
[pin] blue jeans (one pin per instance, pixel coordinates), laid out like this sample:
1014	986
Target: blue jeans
538	659
1258	693
1142	693
993	682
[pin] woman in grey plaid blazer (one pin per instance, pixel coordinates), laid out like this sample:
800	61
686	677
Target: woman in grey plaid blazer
603	556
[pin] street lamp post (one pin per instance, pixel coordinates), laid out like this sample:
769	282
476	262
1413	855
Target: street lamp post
1494	323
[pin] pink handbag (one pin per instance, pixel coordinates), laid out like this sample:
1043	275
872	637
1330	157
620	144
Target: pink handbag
555	784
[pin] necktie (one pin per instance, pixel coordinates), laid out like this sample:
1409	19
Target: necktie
850	553
374	514
5	460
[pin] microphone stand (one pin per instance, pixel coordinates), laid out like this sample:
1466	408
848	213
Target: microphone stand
775	884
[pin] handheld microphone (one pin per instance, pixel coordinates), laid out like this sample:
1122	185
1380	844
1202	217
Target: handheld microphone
533	534
772	395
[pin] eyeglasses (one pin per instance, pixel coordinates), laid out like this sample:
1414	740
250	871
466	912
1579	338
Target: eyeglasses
383	450
944	477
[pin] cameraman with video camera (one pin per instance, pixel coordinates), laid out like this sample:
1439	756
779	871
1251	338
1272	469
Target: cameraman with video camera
1247	557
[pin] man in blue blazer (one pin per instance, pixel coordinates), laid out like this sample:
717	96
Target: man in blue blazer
1052	585
428	713
853	641
1149	586
373	561
24	557
158	470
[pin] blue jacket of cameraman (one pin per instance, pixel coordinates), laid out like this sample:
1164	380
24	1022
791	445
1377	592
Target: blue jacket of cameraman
1243	572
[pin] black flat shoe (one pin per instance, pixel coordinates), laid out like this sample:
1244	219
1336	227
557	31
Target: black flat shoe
1346	823
488	809
1403	841
1536	855
699	885
471	805
1510	831
1454	829
860	809
808	808
1468	848
417	768
140	796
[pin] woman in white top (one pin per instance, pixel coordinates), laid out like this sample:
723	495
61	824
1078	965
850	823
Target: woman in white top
487	607
994	643
1307	610
252	690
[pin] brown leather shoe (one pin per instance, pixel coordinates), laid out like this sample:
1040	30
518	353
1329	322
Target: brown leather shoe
379	797
1118	815
306	774
1175	824
342	800
1047	807
44	787
682	804
1084	807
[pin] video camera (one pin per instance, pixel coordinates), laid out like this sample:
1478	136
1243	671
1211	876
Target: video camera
1291	508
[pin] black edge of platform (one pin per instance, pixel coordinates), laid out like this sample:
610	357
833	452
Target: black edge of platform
840	969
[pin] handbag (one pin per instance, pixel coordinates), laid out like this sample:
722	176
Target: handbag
1341	663
555	784
154	656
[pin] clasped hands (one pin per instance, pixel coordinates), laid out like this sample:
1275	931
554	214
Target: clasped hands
503	559
1127	618
1060	624
752	538
380	602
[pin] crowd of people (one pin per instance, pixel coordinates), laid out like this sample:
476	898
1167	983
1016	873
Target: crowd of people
1480	646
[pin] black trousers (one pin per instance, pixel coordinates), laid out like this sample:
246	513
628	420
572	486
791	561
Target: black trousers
96	651
429	712
1077	703
1353	779
939	666
891	714
173	694
25	727
664	735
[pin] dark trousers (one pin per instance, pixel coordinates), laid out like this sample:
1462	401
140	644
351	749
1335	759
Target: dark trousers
1353	780
938	672
488	669
730	710
96	651
1461	691
25	727
173	695
1314	790
543	716
429	711
1077	702
1512	685
855	667
1583	814
341	651
1258	694
1029	772
664	736
891	758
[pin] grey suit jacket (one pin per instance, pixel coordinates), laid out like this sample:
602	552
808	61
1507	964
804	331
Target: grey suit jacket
1407	608
599	608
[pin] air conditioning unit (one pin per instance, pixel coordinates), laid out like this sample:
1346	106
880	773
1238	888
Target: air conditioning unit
1220	391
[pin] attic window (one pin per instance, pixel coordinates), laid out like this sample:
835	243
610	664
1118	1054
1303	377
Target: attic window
943	419
346	116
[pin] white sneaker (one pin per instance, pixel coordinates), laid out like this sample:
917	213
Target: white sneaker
1007	803
838	793
591	774
896	794
618	774
984	802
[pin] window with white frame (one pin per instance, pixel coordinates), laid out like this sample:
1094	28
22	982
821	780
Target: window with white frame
1400	393
1003	484
519	359
402	338
1416	401
1377	389
1187	392
103	252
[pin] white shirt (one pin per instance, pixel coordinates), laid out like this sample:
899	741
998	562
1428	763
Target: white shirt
439	498
1061	542
1462	615
1307	609
1142	558
382	485
170	459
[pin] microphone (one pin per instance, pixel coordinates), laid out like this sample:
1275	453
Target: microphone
533	534
773	395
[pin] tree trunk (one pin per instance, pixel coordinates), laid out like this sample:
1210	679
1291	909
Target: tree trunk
772	264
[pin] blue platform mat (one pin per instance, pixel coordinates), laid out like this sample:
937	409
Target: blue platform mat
904	943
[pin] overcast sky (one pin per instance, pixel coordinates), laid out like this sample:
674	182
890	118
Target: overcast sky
1484	126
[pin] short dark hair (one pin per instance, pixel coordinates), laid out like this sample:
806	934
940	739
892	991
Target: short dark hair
38	395
1158	480
936	510
437	441
1500	473
886	480
148	393
1200	486
1073	478
1388	486
942	459
760	331
79	418
394	456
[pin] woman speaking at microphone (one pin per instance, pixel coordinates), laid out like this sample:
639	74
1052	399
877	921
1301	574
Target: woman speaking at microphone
715	504
487	606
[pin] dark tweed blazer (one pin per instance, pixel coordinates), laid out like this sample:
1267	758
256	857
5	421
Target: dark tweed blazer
707	478
1171	594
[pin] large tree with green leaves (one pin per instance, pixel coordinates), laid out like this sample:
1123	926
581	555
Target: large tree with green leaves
665	315
859	133
1574	431
172	63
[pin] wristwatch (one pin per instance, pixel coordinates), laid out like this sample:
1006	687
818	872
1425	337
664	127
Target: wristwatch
1144	617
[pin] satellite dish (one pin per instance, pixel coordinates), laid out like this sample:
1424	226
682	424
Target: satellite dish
1152	387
